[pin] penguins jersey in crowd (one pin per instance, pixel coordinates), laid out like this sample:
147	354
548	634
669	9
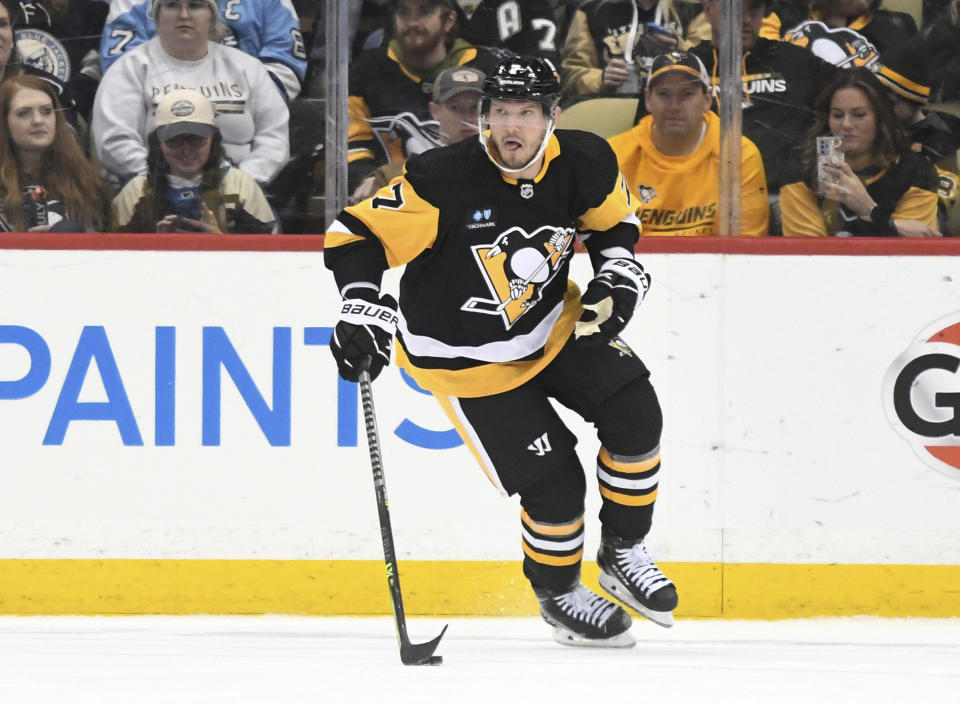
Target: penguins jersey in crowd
498	249
388	106
61	39
780	84
525	28
905	190
602	30
859	43
679	195
266	29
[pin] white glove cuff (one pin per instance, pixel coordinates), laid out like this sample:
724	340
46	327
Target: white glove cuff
629	269
363	313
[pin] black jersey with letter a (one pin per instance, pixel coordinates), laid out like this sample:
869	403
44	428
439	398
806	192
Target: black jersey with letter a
485	302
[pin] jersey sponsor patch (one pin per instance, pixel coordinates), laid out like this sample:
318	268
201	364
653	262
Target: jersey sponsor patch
516	266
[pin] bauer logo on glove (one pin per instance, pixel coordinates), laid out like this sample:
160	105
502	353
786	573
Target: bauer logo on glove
364	336
610	300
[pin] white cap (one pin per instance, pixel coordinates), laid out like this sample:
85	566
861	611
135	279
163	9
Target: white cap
184	112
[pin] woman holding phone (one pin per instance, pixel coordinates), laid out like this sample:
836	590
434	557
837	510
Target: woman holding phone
46	182
189	186
880	188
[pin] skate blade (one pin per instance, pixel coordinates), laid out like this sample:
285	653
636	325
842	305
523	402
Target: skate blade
568	638
662	619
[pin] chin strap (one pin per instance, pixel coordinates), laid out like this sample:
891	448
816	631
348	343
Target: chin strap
485	141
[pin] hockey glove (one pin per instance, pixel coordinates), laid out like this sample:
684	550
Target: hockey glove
365	332
610	299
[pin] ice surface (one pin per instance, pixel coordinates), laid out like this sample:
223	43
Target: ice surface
279	660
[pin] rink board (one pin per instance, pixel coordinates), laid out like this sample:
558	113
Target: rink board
176	439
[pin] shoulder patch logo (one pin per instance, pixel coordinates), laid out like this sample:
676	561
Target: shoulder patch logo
516	266
841	46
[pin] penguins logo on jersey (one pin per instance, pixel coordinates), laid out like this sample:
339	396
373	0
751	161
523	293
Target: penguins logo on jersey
516	266
417	135
840	46
646	193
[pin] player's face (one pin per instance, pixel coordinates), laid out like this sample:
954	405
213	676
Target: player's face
6	36
457	117
517	129
422	25
31	121
753	11
852	117
186	154
184	20
677	104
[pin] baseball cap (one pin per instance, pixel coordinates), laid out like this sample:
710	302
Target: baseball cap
905	70
678	61
455	80
184	112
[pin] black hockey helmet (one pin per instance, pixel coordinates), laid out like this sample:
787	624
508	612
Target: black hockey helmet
524	78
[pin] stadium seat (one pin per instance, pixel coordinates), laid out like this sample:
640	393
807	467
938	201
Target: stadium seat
603	116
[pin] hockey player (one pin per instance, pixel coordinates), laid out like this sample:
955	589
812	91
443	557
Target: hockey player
490	324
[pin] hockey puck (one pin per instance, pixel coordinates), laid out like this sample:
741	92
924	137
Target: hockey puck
434	661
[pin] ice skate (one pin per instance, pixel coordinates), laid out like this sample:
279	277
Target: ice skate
628	573
581	617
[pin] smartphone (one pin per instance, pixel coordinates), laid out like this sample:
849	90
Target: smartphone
34	202
829	152
657	29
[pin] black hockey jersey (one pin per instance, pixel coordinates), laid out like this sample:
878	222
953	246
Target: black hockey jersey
780	83
905	190
388	106
485	302
526	27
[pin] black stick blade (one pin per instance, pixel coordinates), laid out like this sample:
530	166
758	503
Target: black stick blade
422	654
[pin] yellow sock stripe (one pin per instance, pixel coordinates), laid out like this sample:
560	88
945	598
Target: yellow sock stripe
546	559
627	499
551	529
637	467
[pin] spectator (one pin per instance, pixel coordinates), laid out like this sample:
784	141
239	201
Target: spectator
251	114
46	182
881	189
943	42
13	64
390	86
780	84
455	107
847	33
905	72
611	43
671	158
268	30
62	38
527	28
189	187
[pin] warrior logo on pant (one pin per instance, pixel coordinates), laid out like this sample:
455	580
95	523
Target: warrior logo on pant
516	266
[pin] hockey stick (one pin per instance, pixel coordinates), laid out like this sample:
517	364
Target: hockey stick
410	654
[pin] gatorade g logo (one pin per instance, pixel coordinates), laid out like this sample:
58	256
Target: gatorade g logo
922	395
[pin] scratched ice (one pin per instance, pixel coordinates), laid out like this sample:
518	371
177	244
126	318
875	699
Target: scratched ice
281	660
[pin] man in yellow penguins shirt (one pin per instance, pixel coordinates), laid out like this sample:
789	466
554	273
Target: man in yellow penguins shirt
671	158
